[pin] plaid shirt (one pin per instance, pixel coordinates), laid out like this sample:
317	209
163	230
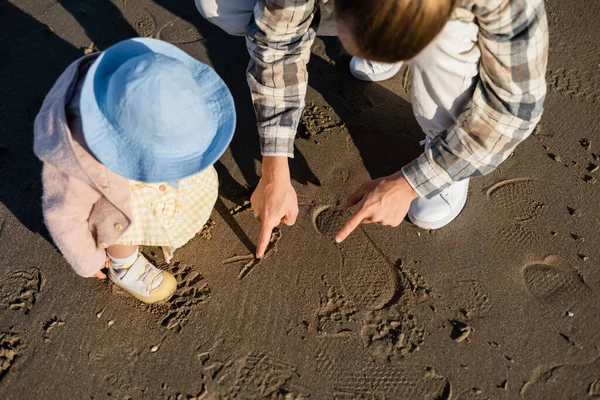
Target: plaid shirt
507	101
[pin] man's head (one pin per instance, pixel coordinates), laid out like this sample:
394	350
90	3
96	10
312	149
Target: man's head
390	30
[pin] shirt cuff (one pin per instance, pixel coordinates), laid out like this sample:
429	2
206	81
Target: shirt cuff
277	141
426	178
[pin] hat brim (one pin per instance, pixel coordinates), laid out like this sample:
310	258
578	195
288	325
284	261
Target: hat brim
123	157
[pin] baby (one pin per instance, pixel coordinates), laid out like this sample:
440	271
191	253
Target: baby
128	138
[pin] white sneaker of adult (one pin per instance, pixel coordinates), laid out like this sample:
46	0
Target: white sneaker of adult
371	71
440	210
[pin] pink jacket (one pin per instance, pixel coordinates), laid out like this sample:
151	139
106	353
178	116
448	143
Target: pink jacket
86	206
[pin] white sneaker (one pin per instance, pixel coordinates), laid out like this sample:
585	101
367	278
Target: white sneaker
440	210
372	71
143	280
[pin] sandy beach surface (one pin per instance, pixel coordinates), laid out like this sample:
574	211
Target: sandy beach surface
501	304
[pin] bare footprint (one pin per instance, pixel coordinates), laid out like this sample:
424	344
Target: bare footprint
368	278
19	289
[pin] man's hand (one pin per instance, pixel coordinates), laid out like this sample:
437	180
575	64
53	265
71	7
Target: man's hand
384	201
274	199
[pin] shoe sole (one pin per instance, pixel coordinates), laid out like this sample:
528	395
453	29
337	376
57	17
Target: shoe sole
441	223
384	76
144	299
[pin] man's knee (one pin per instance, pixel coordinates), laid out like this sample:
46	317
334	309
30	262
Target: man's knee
229	15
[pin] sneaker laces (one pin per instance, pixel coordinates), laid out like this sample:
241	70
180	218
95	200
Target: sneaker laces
147	274
378	67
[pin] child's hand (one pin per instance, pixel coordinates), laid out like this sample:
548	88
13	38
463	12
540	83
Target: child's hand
100	275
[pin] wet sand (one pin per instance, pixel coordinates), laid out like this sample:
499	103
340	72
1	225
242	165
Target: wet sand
501	304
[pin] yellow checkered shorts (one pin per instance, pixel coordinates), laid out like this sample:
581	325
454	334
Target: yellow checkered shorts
167	216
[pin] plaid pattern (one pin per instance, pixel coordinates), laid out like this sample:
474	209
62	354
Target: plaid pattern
169	217
507	102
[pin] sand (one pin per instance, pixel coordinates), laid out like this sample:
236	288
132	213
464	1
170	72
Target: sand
502	303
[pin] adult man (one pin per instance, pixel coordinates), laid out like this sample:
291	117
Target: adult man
478	71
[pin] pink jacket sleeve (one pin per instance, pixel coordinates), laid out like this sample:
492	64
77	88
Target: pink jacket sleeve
67	203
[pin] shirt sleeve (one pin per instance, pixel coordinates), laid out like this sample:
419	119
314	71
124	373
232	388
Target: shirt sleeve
507	102
67	204
279	40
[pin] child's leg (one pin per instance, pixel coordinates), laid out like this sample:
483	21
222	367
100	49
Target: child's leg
121	251
121	255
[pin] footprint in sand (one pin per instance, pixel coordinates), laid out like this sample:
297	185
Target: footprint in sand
470	298
564	382
410	381
392	334
473	394
555	283
10	347
19	289
368	278
352	378
179	32
520	199
192	290
558	286
254	376
142	21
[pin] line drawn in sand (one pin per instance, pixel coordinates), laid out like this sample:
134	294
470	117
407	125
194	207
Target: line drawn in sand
19	289
250	261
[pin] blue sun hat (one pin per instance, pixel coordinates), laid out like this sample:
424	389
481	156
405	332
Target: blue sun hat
152	113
